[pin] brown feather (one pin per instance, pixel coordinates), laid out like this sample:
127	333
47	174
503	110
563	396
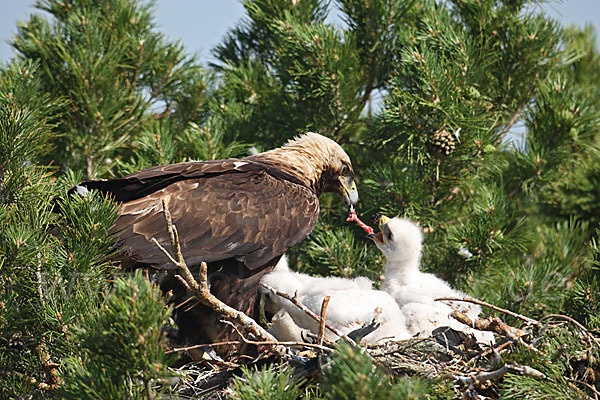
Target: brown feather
239	216
216	222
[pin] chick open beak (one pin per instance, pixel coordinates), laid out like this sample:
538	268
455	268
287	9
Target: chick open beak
348	190
379	237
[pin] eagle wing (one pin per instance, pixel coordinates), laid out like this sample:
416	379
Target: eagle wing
222	209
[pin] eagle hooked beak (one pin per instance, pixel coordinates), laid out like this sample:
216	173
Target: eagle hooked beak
348	190
379	237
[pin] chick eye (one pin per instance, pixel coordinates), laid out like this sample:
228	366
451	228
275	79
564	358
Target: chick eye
388	234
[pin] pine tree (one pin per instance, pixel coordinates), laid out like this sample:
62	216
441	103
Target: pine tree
424	95
125	334
116	75
45	283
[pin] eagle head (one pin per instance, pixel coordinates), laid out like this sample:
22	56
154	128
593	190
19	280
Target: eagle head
319	162
338	176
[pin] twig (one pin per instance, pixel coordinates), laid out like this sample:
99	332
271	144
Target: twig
149	392
248	341
90	162
578	390
594	391
38	274
322	322
185	284
594	340
494	324
490	324
294	300
520	291
254	342
499	373
493	307
201	290
491	350
514	118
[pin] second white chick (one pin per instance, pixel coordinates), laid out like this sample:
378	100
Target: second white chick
298	282
352	304
401	241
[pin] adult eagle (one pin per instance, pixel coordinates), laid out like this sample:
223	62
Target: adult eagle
237	215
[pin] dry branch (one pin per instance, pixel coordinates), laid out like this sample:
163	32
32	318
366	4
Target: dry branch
494	324
491	350
201	290
499	373
248	341
322	322
493	307
490	324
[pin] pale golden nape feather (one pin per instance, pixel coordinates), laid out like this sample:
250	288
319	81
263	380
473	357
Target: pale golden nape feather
310	157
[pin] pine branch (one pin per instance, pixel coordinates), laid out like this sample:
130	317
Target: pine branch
593	340
201	290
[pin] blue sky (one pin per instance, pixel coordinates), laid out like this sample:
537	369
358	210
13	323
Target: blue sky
201	24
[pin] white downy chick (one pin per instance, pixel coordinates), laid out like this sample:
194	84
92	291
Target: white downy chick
352	308
401	241
291	282
296	283
352	303
329	282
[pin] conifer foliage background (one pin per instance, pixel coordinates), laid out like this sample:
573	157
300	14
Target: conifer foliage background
423	95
